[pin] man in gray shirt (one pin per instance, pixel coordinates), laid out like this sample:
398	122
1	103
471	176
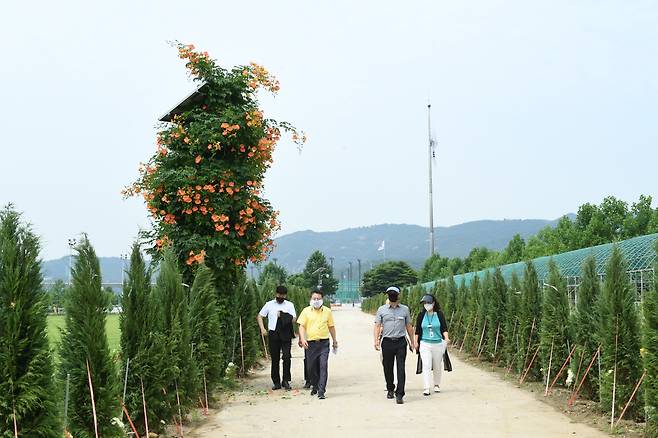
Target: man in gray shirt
393	323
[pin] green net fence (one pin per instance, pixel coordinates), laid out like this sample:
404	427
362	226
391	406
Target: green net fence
639	253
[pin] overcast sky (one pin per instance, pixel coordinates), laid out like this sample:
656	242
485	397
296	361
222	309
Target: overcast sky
537	106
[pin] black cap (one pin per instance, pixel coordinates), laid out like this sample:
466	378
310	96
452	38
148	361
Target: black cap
427	299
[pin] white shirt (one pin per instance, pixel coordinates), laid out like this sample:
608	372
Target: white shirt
271	310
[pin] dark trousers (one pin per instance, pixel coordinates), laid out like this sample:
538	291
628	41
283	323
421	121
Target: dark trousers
317	361
394	351
307	377
279	349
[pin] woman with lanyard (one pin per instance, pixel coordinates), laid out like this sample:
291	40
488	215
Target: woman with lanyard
432	339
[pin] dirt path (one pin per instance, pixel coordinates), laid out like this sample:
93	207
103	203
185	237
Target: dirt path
473	403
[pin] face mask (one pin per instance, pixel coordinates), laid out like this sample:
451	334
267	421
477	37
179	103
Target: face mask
393	297
280	300
429	307
316	303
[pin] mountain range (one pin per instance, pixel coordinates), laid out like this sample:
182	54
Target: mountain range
399	241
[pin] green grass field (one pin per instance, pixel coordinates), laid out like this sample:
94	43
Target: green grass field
55	322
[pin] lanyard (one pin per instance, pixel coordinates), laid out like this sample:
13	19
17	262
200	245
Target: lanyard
430	319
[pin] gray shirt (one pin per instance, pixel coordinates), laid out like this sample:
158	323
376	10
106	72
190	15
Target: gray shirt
394	320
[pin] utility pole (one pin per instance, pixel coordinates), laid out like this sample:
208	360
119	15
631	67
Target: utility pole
358	285
430	156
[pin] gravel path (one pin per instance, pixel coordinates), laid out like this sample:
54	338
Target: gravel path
473	402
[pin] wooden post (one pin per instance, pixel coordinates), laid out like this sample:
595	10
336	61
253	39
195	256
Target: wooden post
146	417
93	402
550	363
631	398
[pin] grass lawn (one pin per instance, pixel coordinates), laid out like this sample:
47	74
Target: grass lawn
55	322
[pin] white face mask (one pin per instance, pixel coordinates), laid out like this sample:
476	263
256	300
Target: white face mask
429	307
316	303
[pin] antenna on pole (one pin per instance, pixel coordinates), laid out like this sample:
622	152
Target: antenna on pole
429	158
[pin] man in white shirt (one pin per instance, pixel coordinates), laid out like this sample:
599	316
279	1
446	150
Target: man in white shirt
281	315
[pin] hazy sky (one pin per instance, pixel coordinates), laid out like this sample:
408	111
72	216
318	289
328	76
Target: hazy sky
538	106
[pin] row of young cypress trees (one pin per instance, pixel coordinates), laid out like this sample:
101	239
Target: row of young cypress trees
531	329
177	341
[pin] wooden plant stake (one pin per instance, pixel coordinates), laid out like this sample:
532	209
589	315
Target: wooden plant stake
205	390
497	334
484	327
241	346
534	356
130	421
614	380
575	394
550	363
580	364
15	425
631	398
146	417
180	414
514	333
564	365
451	316
532	331
125	382
93	402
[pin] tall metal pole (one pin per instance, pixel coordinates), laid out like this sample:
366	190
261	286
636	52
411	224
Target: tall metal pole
430	145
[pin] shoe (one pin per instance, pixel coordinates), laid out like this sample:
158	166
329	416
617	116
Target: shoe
399	400
314	391
321	396
276	386
437	389
426	392
307	385
286	386
389	394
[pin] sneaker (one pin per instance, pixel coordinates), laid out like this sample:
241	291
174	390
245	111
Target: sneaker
389	394
307	385
437	389
321	396
286	386
426	392
314	391
399	400
276	386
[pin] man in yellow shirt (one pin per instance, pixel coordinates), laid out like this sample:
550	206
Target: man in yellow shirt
316	323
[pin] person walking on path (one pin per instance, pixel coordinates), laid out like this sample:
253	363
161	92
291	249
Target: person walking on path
280	315
393	323
432	340
316	323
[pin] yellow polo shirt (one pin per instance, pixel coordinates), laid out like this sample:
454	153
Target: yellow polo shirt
316	322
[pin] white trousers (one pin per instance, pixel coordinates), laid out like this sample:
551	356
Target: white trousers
431	354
